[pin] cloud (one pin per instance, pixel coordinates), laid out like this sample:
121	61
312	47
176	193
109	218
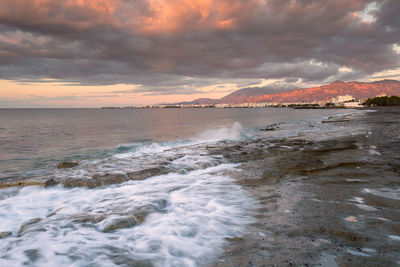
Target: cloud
176	46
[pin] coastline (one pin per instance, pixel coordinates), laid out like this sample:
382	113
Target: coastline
333	202
316	192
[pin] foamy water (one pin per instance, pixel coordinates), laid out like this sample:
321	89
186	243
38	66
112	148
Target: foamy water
180	218
189	217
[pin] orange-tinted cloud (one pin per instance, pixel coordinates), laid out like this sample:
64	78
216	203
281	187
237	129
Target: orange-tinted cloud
176	46
184	15
142	16
79	14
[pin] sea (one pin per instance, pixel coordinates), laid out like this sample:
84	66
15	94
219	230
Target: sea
180	216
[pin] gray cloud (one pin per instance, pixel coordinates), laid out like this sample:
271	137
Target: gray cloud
304	39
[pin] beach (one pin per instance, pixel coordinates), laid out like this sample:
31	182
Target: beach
311	190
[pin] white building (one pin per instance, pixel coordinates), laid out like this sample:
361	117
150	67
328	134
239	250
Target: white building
352	105
342	99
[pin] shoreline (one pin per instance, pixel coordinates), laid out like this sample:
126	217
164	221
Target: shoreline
315	197
315	202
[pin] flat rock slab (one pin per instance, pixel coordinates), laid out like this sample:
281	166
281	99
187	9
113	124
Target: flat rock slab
28	182
146	173
96	181
67	164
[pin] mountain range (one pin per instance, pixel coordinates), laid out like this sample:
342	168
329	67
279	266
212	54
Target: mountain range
292	94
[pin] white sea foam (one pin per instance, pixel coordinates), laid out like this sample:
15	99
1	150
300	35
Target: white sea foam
384	192
395	237
366	207
194	213
135	157
152	148
374	152
234	133
314	129
358	253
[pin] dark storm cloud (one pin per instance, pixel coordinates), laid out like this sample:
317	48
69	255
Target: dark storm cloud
175	47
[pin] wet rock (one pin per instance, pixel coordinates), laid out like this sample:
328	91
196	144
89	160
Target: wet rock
131	220
122	258
76	182
97	180
146	173
237	156
334	145
67	164
337	119
271	127
49	182
108	179
234	239
304	166
4	234
113	224
30	225
345	235
338	165
89	218
32	254
28	182
318	182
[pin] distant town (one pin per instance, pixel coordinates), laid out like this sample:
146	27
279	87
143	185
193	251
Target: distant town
337	94
343	101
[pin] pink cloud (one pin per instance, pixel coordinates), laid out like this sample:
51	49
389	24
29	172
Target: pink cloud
142	16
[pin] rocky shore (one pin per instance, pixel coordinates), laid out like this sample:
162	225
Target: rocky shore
96	180
332	202
322	200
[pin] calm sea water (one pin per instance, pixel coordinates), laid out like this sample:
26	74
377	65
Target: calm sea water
33	140
179	218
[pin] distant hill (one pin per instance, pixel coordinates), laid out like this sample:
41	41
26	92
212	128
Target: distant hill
359	90
246	94
202	101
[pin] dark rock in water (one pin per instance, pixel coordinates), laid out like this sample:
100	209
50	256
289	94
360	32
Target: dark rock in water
75	182
28	182
30	225
67	164
271	127
305	166
234	239
49	182
108	179
89	218
4	234
122	257
337	119
146	173
97	180
335	145
345	235
138	217
32	254
121	223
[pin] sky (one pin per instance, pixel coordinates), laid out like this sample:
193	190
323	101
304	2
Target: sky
92	53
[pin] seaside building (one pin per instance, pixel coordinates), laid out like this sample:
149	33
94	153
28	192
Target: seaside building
342	99
355	104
